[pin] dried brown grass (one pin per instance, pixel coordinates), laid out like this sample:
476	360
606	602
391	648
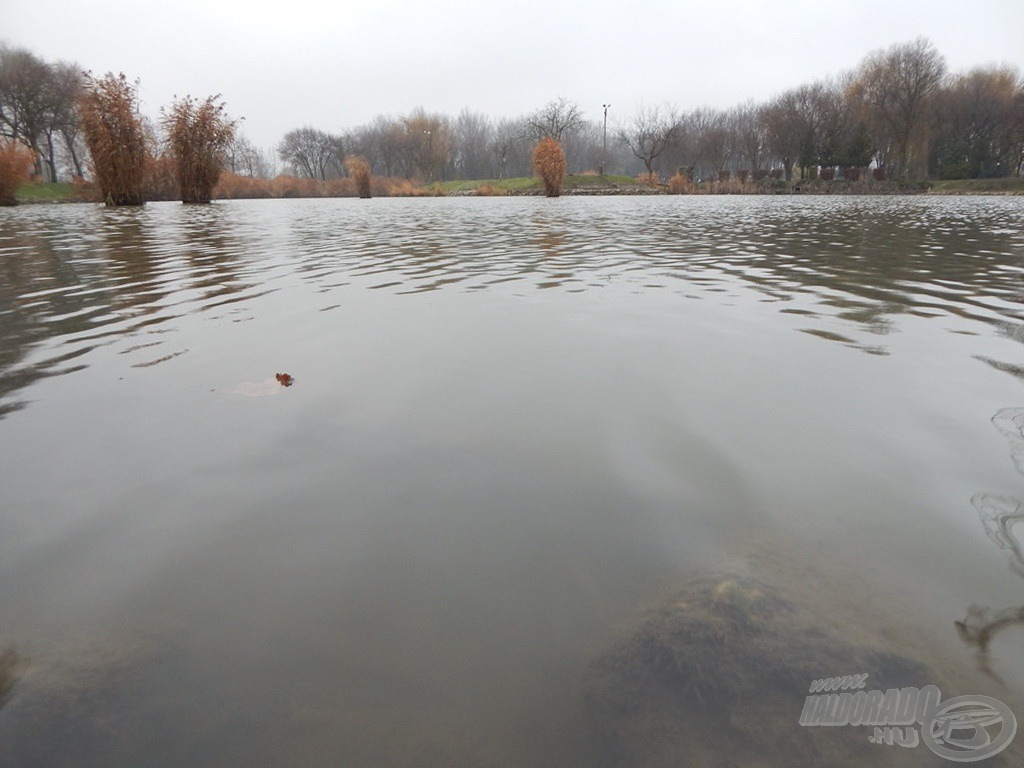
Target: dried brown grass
15	168
198	135
680	184
549	165
114	133
359	170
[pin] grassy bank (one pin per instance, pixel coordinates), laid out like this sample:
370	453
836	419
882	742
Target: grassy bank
1010	186
34	192
46	193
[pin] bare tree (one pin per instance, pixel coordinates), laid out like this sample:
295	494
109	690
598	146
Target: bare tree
978	124
429	142
26	101
751	138
312	152
649	133
471	137
510	149
898	84
554	119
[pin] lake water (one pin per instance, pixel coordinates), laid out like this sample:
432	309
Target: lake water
515	424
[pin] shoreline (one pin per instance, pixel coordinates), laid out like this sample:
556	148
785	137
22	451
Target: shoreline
63	193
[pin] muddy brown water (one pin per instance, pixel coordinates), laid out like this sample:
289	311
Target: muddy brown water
517	430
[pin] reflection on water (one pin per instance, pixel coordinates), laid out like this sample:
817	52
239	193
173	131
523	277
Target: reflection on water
515	422
999	515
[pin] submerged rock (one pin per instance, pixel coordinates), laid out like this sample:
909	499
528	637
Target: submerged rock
719	674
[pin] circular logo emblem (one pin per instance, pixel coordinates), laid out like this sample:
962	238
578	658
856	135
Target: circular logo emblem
968	728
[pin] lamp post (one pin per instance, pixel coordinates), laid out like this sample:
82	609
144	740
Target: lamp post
604	138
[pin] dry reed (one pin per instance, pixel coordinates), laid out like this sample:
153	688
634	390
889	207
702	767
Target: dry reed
549	164
198	135
359	170
109	117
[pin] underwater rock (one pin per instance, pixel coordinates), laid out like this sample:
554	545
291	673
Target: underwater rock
719	674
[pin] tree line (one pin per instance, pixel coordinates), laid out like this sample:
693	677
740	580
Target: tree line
899	112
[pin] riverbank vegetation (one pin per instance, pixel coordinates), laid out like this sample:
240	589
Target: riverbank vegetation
549	165
15	162
899	116
198	136
115	137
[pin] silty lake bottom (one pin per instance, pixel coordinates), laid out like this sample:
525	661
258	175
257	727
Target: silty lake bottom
574	482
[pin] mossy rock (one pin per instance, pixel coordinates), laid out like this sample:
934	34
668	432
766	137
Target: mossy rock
718	674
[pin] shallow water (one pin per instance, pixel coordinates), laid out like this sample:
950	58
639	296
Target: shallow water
513	423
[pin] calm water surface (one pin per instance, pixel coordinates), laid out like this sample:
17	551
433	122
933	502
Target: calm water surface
513	424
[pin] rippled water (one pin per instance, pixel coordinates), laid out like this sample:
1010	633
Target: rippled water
513	424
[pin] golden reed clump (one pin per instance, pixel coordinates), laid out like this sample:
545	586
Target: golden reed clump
109	117
359	170
549	164
198	135
15	165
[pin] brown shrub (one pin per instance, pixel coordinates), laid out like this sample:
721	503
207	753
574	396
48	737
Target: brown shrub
158	180
231	186
339	188
680	184
760	173
113	131
651	179
549	164
15	168
851	174
489	190
827	174
198	135
878	174
359	170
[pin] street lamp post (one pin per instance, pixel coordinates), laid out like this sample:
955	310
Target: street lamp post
604	139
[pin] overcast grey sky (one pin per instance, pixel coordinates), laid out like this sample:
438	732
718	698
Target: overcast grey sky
335	65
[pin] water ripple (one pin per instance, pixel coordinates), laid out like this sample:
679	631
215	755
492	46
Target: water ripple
74	277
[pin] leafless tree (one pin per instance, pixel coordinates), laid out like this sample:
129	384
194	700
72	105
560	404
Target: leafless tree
554	119
649	133
428	140
979	124
898	85
471	136
312	153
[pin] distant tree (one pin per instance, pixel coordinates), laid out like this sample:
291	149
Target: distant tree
312	153
199	134
554	119
898	85
715	140
428	141
471	137
549	164
245	159
792	123
979	119
115	136
649	133
750	136
510	149
66	83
